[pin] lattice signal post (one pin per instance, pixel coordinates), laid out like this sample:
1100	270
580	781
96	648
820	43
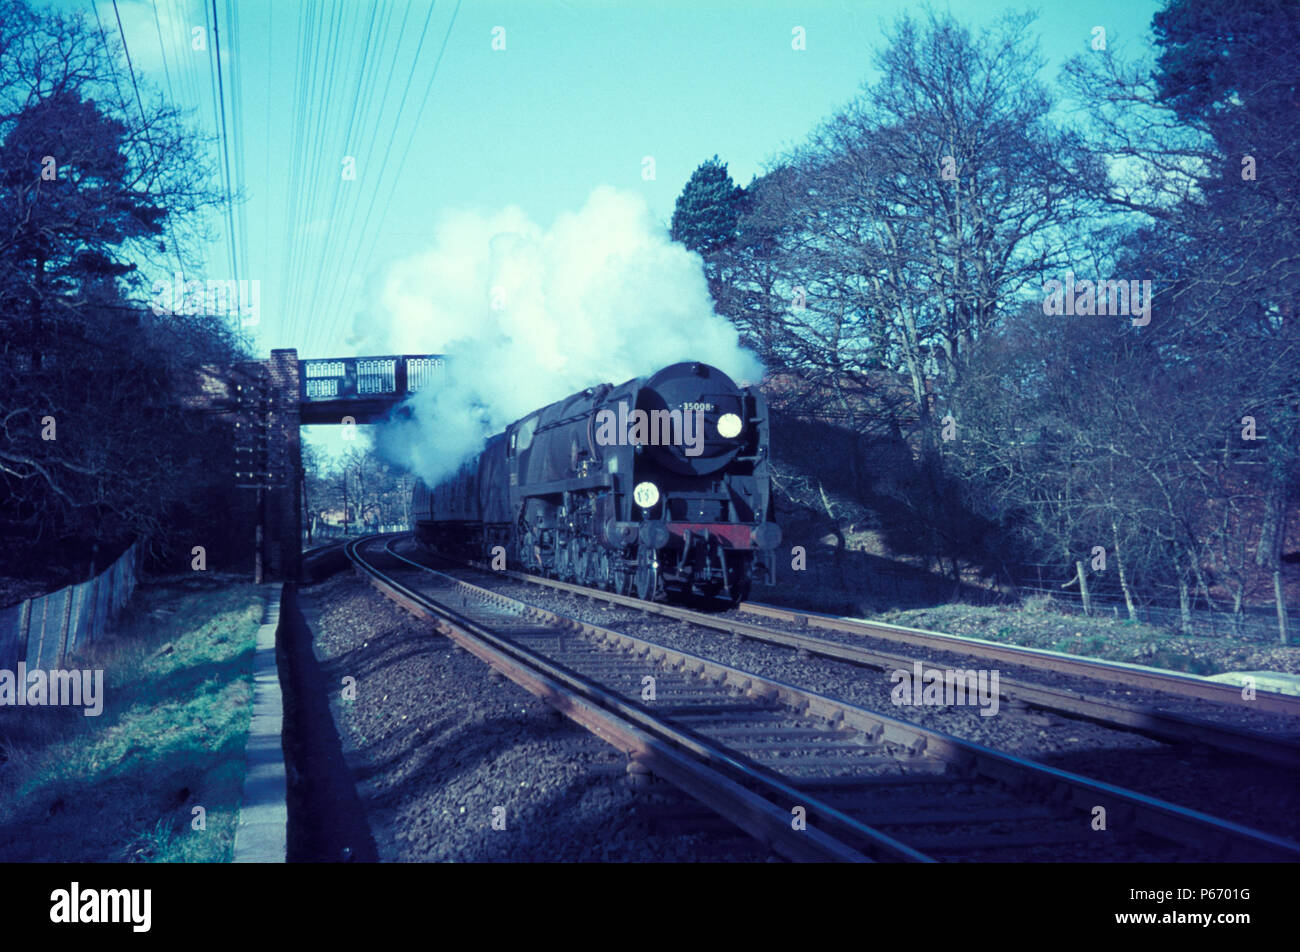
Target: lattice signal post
268	456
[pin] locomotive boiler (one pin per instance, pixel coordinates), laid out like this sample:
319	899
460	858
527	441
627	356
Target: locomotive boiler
656	487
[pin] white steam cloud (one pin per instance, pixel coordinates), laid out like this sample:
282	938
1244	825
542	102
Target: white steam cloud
527	316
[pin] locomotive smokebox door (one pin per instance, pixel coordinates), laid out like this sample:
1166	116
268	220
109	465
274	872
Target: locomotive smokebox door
691	399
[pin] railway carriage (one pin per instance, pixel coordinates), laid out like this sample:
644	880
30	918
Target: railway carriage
656	487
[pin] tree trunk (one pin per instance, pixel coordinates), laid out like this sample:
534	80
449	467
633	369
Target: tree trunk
1083	588
259	535
38	325
839	535
1269	553
1274	526
345	504
1184	605
308	521
1279	599
1123	577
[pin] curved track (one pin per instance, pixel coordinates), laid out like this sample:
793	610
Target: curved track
1217	724
811	776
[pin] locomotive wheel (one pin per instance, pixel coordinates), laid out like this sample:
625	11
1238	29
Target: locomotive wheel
622	576
601	570
584	562
647	575
740	591
577	559
566	560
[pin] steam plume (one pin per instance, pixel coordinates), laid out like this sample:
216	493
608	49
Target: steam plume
527	316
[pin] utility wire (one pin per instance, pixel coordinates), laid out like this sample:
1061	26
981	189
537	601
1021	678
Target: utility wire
371	136
414	128
325	275
340	312
144	122
225	137
319	135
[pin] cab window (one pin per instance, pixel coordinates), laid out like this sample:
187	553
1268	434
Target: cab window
523	435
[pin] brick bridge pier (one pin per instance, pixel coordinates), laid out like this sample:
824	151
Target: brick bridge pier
270	399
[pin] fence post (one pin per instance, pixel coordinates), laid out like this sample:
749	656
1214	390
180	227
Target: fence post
40	644
78	619
24	628
119	586
63	634
92	634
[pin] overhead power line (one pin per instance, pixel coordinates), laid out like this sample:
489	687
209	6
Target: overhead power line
220	103
375	228
144	122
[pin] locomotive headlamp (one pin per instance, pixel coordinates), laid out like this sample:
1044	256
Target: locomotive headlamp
645	495
729	426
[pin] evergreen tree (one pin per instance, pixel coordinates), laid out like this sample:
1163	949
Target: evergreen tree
96	444
708	208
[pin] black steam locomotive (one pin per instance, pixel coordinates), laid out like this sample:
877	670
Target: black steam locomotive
656	487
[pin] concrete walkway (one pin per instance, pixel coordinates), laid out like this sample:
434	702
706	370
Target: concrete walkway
261	834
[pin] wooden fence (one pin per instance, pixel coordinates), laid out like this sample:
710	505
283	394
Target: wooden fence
45	631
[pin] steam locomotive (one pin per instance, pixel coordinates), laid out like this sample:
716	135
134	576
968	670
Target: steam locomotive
657	487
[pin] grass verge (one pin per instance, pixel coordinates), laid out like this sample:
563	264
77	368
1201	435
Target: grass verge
1100	637
124	786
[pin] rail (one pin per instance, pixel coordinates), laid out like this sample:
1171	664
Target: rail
1142	718
573	665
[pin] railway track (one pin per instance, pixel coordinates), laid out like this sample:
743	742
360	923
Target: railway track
1130	675
813	777
1278	748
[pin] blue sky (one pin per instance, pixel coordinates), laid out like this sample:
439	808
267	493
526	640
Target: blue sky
581	94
